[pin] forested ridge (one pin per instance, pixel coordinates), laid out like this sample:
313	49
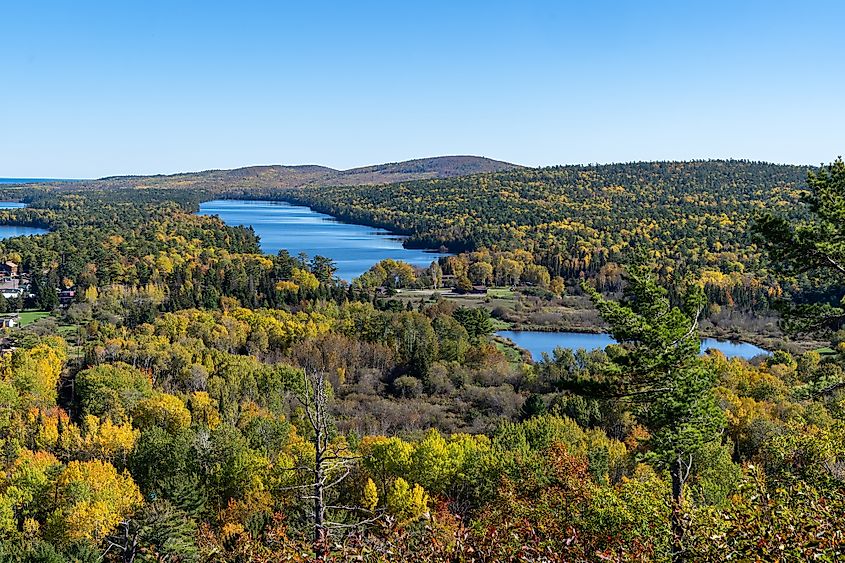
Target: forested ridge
583	221
192	399
279	176
576	218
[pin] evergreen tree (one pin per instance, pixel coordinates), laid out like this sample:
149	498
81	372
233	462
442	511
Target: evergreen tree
533	406
657	369
475	320
813	248
324	268
46	297
160	531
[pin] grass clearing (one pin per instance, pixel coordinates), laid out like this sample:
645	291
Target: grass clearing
513	355
499	324
66	331
501	293
29	317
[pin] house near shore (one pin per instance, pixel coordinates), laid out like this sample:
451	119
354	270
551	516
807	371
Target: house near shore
11	288
13	293
9	269
66	296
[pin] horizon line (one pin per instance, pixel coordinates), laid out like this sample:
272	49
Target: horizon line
33	179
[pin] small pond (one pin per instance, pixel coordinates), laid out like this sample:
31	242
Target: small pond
538	342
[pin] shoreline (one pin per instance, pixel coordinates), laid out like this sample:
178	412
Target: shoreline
768	343
596	330
389	231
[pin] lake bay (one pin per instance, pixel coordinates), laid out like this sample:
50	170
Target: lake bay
295	228
9	231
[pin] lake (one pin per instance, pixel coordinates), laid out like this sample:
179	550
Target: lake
9	231
538	342
296	228
32	180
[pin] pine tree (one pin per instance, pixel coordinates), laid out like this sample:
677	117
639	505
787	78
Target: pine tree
186	492
657	370
814	248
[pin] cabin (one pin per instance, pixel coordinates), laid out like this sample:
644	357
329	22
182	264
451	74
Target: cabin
66	296
11	292
8	269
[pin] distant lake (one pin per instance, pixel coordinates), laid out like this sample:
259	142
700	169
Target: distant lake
296	228
32	180
538	342
9	231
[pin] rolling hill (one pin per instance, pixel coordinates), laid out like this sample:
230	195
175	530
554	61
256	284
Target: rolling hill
280	176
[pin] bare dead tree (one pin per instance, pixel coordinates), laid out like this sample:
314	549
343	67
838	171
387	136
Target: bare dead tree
332	465
125	541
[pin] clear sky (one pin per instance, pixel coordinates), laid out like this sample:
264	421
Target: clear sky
89	89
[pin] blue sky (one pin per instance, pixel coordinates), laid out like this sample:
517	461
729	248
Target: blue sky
89	89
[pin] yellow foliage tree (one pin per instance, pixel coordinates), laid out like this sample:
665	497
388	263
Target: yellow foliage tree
91	498
369	498
109	441
35	371
27	484
204	410
162	410
286	285
304	279
406	502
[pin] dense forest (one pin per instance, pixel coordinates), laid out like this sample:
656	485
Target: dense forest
583	221
197	400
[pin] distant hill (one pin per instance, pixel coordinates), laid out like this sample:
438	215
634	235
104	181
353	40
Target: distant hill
279	176
422	169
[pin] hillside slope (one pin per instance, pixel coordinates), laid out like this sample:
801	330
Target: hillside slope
279	176
574	219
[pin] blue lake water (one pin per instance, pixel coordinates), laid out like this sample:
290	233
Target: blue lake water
538	342
32	180
9	231
295	228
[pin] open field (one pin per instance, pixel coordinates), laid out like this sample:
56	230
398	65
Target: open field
29	317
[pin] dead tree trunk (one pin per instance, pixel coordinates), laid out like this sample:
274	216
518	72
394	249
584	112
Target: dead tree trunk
679	471
331	466
333	462
317	417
